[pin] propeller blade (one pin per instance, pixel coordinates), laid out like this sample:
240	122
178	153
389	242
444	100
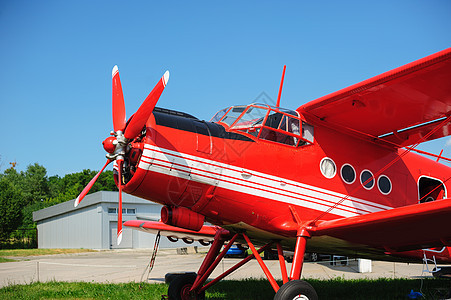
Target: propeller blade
119	213
143	113
89	186
119	118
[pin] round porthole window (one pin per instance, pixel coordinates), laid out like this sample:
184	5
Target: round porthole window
365	177
348	173
384	184
328	168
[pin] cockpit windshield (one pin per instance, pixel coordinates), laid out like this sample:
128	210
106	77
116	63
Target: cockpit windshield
266	122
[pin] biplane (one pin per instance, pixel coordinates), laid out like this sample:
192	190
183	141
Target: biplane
339	174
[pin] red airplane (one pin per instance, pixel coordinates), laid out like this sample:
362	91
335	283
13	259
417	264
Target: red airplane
337	175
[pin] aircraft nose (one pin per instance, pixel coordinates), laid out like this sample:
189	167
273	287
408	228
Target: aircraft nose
109	144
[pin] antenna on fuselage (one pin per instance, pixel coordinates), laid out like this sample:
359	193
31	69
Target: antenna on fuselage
281	85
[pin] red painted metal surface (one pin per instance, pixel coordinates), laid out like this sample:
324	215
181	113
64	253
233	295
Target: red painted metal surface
119	210
265	269
335	167
281	85
235	267
299	251
202	277
118	102
398	229
413	94
85	191
283	267
143	113
182	217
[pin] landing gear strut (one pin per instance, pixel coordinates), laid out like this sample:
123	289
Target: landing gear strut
191	286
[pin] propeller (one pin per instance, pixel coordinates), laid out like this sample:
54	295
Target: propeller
143	113
120	162
117	146
118	102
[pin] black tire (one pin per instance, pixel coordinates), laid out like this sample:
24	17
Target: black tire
170	276
180	286
172	239
314	257
204	243
296	290
188	240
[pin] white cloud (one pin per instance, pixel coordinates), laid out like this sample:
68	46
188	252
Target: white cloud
448	142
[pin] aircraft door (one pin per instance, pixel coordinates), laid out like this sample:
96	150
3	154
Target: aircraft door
127	241
204	143
430	189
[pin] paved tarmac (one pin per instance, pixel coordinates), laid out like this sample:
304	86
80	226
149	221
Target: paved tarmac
115	266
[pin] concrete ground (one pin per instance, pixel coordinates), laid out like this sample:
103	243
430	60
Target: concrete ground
130	265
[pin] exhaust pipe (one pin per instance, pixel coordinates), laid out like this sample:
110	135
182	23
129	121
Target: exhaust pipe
182	217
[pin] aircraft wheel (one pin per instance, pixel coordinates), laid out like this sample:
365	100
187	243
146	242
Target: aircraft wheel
180	286
188	240
296	290
172	239
204	243
314	257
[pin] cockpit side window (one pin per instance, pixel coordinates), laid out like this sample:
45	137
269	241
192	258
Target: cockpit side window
233	114
273	120
253	116
267	123
219	115
307	132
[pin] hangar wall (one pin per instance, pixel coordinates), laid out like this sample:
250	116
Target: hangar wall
93	224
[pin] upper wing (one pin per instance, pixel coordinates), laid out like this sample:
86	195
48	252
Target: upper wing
399	106
206	233
405	228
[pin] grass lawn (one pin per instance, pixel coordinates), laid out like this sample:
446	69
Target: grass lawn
2	260
232	289
35	252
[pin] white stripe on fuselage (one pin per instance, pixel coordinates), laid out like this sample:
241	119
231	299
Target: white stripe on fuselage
251	182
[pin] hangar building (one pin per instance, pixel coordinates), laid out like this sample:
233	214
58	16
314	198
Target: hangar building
93	224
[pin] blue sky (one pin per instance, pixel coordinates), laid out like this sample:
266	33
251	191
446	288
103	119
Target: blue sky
56	59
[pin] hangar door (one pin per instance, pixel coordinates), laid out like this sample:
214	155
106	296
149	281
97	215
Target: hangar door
127	237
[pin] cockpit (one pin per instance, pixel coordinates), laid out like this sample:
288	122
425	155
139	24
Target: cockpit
266	122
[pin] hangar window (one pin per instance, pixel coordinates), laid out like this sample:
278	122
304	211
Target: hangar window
125	211
130	211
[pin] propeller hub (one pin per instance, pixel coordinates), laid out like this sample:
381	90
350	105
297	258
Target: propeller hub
109	144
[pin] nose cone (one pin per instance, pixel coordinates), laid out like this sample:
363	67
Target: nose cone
109	144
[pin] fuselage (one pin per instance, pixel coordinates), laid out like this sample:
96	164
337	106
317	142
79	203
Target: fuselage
242	180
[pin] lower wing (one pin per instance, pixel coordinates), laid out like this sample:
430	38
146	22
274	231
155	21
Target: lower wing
405	228
205	234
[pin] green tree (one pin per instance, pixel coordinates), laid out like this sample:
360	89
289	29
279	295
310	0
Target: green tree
35	184
14	178
11	204
55	185
25	192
